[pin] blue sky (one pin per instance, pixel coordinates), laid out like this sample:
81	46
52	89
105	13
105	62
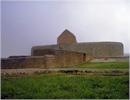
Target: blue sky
26	23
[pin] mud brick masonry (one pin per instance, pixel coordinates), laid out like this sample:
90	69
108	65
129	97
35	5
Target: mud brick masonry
67	52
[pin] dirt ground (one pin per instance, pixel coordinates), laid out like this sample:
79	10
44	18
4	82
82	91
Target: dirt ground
86	71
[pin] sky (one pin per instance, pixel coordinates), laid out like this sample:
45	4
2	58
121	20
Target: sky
27	23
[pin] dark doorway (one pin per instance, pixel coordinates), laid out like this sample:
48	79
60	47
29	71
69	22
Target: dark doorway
84	57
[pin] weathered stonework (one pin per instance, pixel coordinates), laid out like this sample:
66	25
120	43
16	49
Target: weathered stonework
67	52
96	49
67	41
23	62
49	58
66	38
63	57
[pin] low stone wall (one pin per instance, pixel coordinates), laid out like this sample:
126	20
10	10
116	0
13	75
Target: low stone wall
60	58
23	62
111	59
63	57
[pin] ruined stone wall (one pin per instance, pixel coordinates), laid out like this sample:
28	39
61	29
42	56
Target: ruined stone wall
47	61
59	58
50	61
63	58
111	59
96	49
23	62
38	48
66	38
42	52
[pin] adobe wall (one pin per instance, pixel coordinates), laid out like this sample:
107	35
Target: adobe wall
95	49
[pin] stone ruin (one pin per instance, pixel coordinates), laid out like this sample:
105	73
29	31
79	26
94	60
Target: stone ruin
67	52
66	38
67	41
